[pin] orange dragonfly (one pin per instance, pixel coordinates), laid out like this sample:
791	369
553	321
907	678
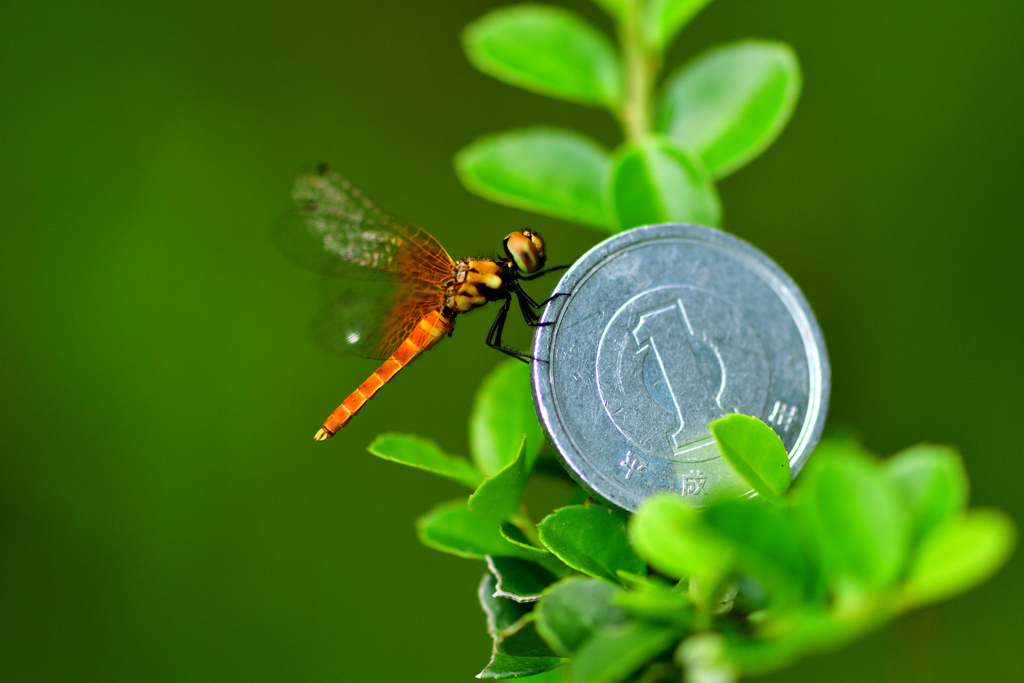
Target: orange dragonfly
399	290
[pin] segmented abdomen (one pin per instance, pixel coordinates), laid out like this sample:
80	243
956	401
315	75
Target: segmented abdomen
427	332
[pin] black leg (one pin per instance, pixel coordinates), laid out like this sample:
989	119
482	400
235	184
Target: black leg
542	272
528	314
542	304
494	336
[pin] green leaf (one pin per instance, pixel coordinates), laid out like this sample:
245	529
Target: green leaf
513	534
856	516
497	497
502	413
517	650
452	528
654	601
803	634
424	454
552	676
518	579
730	103
552	172
666	17
673	538
502	613
766	547
756	452
504	665
613	7
960	554
548	50
591	539
657	182
573	609
617	651
933	481
541	556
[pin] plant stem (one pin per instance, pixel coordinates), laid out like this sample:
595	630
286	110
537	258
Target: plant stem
641	65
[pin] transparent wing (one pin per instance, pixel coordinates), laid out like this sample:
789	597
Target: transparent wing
334	229
371	319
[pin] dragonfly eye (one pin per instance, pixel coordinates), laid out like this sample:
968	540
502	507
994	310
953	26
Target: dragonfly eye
526	249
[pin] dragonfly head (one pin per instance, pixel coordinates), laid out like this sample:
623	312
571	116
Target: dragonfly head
526	249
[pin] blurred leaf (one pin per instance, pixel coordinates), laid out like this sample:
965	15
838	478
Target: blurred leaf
766	546
518	579
573	609
502	413
497	497
803	634
552	172
730	103
656	182
933	481
548	50
703	657
612	7
666	17
615	652
591	539
517	650
451	528
856	516
960	554
653	600
756	452
541	556
673	538
424	454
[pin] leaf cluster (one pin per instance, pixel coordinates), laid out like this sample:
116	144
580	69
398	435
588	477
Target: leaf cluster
592	595
709	118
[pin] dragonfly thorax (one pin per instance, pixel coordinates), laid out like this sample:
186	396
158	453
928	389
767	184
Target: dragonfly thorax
477	281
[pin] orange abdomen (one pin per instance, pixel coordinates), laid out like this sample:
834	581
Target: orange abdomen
428	332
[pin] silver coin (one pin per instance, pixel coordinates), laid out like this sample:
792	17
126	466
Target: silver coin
666	328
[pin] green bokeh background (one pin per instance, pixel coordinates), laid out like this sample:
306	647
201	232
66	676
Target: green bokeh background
164	513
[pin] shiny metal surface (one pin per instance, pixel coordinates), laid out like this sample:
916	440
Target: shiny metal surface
666	328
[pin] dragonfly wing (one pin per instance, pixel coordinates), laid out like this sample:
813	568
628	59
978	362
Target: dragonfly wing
334	229
371	319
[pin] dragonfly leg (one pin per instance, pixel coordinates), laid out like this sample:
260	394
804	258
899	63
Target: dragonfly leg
551	298
494	336
542	272
526	300
528	314
542	304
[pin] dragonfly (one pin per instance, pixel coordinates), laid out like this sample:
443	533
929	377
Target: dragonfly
397	291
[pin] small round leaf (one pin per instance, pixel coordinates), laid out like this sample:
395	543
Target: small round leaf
933	481
548	50
591	539
730	103
553	172
451	528
502	412
756	452
960	554
656	182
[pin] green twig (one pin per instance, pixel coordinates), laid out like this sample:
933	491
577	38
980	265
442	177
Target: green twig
642	62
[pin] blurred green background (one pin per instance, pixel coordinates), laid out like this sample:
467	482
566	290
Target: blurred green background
164	511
